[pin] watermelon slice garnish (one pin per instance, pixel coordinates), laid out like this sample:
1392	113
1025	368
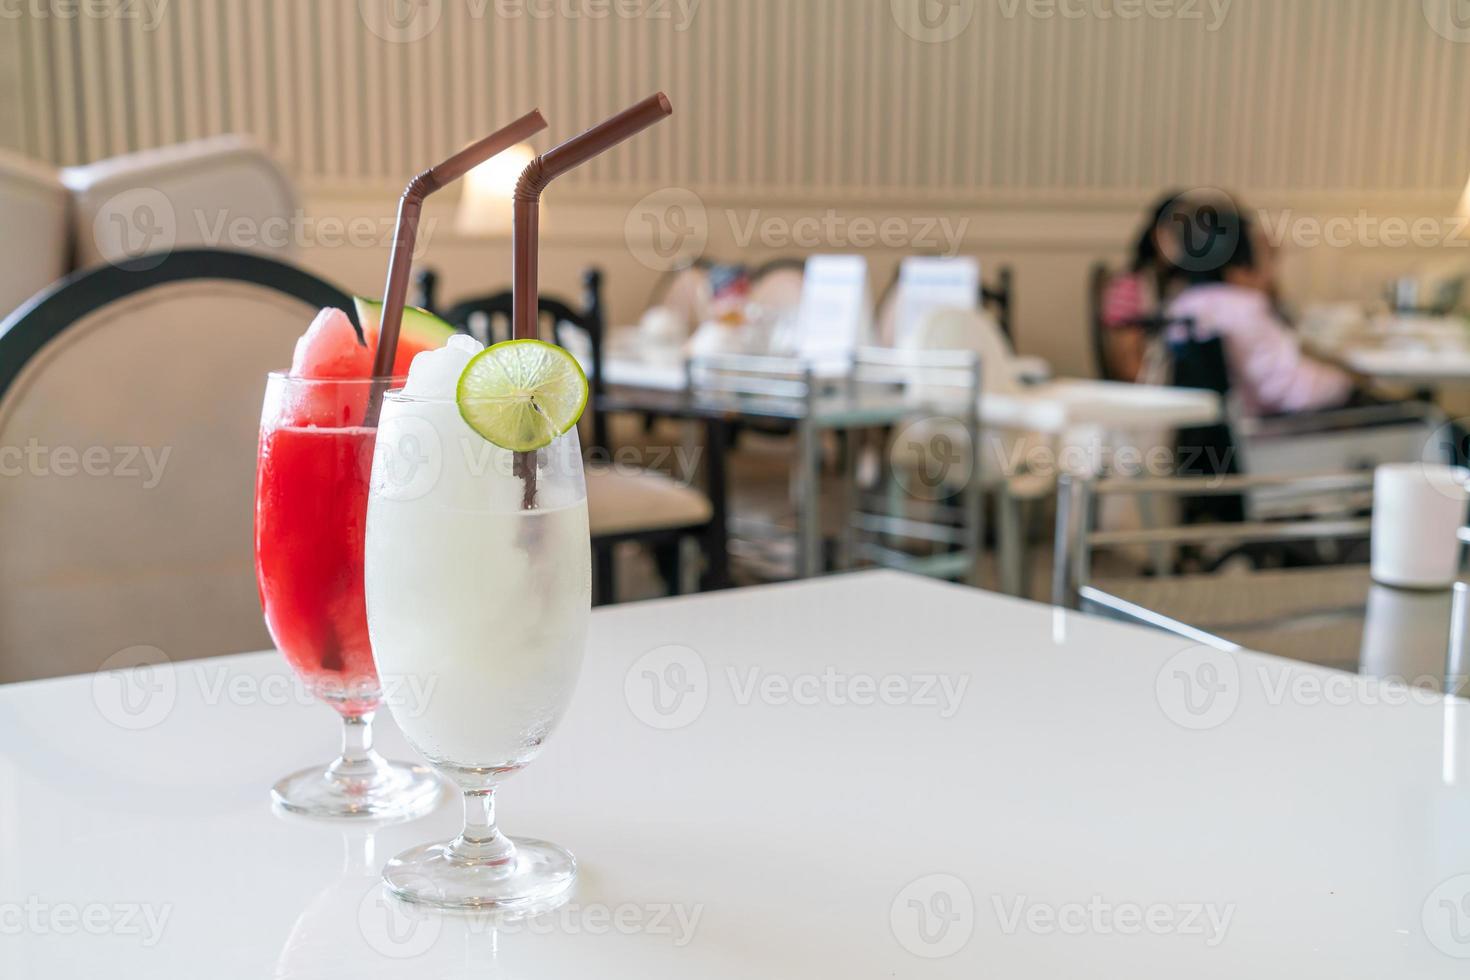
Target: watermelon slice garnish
420	331
331	350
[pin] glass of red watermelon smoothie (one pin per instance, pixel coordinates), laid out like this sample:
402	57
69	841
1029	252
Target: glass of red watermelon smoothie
315	457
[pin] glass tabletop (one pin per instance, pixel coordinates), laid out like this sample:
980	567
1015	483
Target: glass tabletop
836	406
1335	617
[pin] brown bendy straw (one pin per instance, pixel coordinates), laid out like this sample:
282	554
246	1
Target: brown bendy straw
525	212
410	205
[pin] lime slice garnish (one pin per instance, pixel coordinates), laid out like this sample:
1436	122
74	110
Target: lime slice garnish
521	394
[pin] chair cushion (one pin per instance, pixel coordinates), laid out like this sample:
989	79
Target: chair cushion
130	521
626	501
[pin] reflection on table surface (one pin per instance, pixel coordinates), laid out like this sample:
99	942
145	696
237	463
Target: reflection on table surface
1335	617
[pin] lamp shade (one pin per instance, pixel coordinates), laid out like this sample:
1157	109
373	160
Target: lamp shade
1463	211
485	204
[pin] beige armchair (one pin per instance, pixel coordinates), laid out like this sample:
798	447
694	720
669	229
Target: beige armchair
129	404
222	192
33	236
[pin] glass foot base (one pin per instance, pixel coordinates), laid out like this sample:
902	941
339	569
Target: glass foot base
387	791
536	877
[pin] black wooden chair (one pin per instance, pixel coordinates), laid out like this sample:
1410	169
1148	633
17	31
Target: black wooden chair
1355	438
1097	287
625	503
1000	300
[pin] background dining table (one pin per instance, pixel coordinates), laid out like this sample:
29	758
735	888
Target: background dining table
1052	405
657	384
862	775
1398	349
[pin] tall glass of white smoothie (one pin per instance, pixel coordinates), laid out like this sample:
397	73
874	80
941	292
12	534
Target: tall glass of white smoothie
478	587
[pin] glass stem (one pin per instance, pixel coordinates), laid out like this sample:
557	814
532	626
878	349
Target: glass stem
481	841
358	758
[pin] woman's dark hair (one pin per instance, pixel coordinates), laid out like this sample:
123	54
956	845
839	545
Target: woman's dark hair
1145	248
1201	238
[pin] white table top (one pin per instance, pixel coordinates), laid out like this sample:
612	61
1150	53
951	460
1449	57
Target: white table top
1393	347
1409	364
1052	406
1064	404
1038	820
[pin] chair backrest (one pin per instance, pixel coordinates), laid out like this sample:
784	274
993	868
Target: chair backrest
941	381
933	460
931	282
130	402
34	235
426	290
685	291
976	331
1196	362
1000	300
835	315
1097	287
1204	450
997	299
222	192
578	329
776	285
885	313
1076	498
782	385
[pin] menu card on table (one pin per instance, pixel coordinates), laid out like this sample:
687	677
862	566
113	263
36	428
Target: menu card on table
927	283
834	315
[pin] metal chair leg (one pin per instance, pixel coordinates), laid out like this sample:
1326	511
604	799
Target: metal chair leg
715	539
604	579
1012	543
975	538
669	559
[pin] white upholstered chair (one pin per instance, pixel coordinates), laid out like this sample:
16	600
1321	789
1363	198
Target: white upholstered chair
33	234
1002	372
776	286
221	192
686	292
129	407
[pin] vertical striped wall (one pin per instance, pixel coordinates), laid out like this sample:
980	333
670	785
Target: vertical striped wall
775	96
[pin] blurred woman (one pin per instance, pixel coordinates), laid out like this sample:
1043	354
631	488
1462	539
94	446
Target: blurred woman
1214	275
1131	298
